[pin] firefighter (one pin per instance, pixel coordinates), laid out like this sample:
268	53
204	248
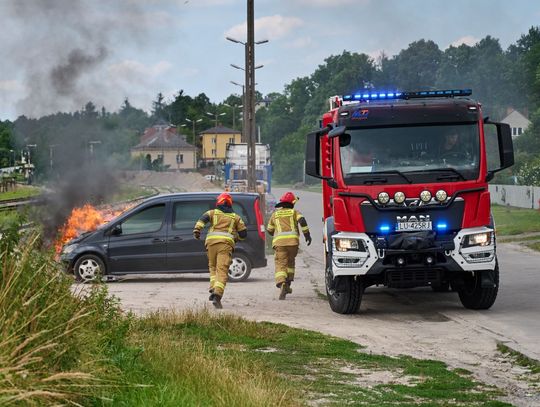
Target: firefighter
284	227
226	228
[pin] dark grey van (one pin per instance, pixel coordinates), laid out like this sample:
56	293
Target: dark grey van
156	237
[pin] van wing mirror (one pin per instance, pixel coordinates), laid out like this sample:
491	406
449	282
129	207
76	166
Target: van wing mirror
116	230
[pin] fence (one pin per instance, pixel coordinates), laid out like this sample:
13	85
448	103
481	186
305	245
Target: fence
520	196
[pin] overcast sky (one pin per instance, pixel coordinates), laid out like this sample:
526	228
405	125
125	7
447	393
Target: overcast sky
58	54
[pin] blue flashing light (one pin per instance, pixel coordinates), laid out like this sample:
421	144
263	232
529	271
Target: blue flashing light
407	95
384	228
442	226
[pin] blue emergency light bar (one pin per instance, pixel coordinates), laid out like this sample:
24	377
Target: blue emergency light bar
370	95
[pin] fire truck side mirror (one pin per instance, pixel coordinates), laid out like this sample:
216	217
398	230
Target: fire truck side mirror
313	155
499	151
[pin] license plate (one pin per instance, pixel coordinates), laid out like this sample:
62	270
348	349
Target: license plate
408	226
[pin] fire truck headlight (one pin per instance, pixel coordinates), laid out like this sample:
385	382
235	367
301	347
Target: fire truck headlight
441	195
478	239
425	196
69	248
399	197
342	245
383	198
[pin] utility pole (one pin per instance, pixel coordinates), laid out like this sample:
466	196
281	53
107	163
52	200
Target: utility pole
250	96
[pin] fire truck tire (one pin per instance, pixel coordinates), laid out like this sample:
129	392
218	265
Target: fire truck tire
473	296
89	268
345	295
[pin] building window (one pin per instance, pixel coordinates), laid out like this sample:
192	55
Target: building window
214	152
520	130
514	131
179	158
231	140
214	140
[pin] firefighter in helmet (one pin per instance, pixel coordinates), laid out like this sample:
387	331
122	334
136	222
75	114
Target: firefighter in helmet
226	228
284	225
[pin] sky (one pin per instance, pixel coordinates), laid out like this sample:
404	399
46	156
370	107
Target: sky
56	55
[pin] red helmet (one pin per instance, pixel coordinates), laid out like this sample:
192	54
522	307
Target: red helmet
224	199
288	197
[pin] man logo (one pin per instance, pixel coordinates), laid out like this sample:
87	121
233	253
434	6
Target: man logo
360	114
413	218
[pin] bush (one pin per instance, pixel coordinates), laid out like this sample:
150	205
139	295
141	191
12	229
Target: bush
54	343
529	173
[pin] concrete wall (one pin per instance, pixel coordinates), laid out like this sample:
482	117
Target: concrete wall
520	196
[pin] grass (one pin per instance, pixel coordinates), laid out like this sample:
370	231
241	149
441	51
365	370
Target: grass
127	192
518	358
21	191
196	358
534	246
60	346
513	221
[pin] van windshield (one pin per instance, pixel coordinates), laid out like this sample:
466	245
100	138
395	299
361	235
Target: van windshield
411	153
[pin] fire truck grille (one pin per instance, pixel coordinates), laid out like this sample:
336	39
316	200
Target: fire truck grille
408	278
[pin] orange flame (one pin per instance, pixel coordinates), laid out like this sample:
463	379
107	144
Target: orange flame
85	219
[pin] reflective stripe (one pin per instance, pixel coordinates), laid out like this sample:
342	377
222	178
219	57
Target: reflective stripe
219	284
225	234
289	233
305	229
290	270
281	274
199	224
229	239
212	278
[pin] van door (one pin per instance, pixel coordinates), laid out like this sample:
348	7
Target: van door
184	253
138	243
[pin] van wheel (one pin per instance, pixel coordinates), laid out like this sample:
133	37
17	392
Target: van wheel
89	268
344	293
474	296
240	268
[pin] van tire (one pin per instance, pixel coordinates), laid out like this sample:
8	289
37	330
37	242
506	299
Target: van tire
89	268
240	268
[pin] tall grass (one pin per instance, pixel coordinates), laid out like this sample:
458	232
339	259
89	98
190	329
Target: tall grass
53	342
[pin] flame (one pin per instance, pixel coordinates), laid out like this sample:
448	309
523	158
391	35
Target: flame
85	219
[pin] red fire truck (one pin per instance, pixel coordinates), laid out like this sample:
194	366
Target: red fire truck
405	194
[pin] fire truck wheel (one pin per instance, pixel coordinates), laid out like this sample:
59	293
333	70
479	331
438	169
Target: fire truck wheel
89	268
473	296
344	293
240	268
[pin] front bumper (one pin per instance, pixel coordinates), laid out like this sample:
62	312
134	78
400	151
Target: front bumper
447	255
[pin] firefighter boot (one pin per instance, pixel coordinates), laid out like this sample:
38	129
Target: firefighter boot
288	287
216	301
283	291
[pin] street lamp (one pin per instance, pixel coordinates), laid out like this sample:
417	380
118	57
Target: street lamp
28	146
193	122
13	155
233	107
216	115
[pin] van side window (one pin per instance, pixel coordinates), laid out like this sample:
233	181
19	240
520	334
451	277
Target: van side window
146	221
186	214
241	211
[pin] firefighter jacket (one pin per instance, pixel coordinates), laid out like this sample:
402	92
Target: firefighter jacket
284	226
225	226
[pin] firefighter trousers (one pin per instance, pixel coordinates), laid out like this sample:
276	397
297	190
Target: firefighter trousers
219	260
284	257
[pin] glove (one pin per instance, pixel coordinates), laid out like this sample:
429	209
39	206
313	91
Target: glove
197	235
308	239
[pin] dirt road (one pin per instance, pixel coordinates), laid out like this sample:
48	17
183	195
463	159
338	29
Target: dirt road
418	323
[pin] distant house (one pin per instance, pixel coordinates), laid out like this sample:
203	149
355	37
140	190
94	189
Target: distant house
517	121
162	142
214	142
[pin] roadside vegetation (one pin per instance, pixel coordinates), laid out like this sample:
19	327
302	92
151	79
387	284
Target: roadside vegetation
61	344
514	221
21	191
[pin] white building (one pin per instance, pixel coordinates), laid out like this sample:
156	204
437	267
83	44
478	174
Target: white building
518	122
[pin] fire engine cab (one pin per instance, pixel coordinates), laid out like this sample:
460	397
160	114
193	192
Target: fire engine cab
405	194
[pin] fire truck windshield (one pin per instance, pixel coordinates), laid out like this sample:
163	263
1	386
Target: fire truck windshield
436	151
